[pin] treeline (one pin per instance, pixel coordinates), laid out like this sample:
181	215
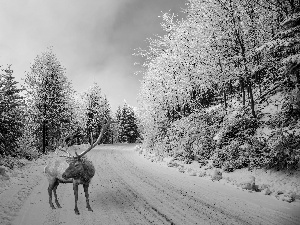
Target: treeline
36	118
208	79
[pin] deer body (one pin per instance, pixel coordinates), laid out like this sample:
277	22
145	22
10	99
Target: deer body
76	170
69	170
55	169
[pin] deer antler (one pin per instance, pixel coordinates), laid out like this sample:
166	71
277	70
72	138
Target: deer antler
66	151
92	137
62	144
97	141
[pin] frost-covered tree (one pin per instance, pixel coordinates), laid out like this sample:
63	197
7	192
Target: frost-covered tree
280	58
11	112
234	29
96	112
127	124
208	58
116	126
48	96
281	53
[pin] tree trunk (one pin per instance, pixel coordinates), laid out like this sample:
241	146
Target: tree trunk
44	136
90	137
224	85
251	98
224	94
44	130
243	91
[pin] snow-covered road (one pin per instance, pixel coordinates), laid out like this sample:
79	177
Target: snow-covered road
128	189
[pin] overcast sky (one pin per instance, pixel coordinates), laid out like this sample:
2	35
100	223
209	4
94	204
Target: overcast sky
93	39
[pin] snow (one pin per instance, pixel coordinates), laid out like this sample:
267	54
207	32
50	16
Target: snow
277	44
292	59
288	33
212	108
130	189
15	190
233	110
285	183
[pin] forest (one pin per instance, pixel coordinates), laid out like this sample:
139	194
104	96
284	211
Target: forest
223	84
46	112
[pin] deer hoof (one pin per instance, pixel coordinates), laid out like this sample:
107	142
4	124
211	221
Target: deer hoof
76	212
58	205
90	209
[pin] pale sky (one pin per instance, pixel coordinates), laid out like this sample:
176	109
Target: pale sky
93	39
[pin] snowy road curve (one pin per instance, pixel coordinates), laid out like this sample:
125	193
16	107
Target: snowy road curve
128	189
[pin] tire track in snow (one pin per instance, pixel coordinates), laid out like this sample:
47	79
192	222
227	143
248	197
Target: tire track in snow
220	208
13	199
165	196
128	189
119	195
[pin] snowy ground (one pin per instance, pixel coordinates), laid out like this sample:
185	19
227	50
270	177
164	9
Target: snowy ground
129	189
284	186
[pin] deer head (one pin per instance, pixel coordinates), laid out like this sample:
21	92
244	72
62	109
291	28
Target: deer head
79	169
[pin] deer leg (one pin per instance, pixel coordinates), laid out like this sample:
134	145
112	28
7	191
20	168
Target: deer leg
55	195
86	191
50	188
75	188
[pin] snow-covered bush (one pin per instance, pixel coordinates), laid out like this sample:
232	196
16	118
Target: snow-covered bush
177	140
289	113
252	154
284	151
11	162
240	129
230	157
193	135
281	151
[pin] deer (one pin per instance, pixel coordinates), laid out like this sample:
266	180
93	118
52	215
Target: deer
72	169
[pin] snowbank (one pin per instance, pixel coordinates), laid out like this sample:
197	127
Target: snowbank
281	185
16	185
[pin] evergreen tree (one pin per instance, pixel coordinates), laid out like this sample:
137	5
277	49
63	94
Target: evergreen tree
97	111
48	96
11	105
128	130
119	113
107	137
117	127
